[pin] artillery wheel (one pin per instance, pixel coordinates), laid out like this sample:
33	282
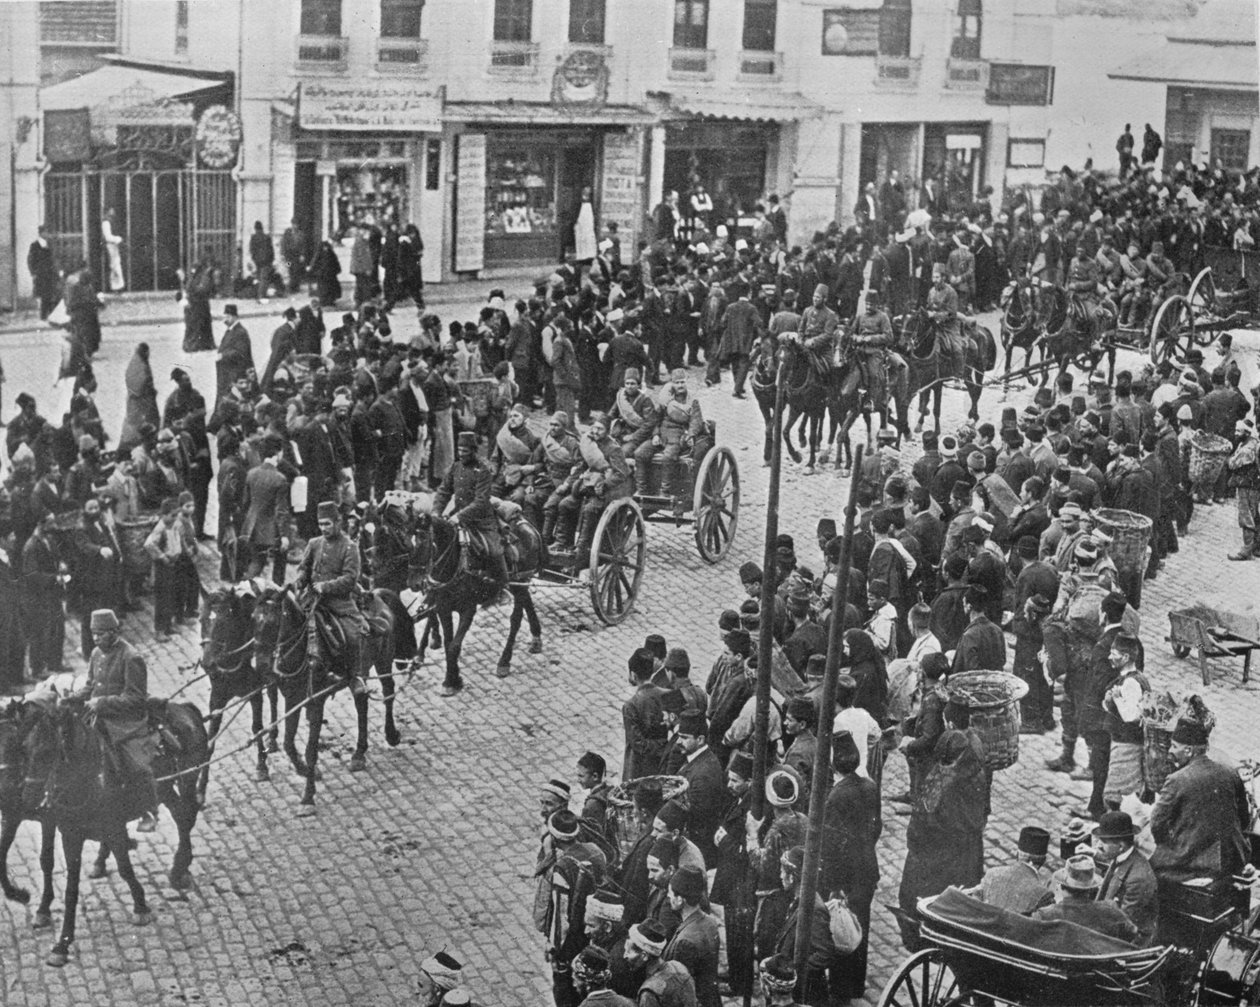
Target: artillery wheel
1202	295
1172	332
616	564
924	980
715	507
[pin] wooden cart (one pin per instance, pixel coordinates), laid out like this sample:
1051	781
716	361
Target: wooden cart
1213	633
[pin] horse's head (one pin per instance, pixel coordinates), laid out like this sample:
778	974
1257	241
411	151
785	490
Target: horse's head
225	623
51	733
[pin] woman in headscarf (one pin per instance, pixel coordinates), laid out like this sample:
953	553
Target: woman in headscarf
142	404
325	273
198	324
866	665
945	838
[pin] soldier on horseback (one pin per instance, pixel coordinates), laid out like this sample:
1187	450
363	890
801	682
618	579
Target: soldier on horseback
819	324
467	486
1082	283
872	341
328	576
942	308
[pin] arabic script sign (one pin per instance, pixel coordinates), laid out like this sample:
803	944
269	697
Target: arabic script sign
368	105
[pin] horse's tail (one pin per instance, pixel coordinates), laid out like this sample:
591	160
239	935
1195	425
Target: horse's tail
186	724
404	628
987	346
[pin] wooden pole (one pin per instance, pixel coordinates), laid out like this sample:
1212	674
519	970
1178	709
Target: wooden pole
826	706
765	641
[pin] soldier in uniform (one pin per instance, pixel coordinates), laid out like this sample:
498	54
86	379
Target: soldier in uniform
873	339
1022	886
819	324
681	428
117	689
634	417
600	477
329	573
560	454
519	453
1082	282
467	486
942	308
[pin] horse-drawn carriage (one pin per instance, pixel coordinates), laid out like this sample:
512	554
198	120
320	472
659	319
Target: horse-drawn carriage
1224	295
978	954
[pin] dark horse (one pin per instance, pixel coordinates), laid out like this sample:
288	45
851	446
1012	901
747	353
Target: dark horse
808	376
1029	311
849	399
303	683
15	720
930	368
1083	338
227	654
452	590
70	783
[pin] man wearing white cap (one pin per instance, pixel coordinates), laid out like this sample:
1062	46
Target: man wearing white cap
666	984
1244	478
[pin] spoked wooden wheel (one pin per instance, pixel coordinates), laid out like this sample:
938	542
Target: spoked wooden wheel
924	980
1202	295
1172	331
616	566
716	504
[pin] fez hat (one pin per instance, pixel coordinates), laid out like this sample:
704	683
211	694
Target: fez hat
467	439
749	573
103	618
677	660
693	725
741	764
673	701
1034	841
689	884
673	815
844	749
1190	732
641	662
327	511
728	620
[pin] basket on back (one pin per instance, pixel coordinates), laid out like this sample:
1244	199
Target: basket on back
1130	533
1208	455
992	697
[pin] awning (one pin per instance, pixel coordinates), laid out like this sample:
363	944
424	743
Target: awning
749	105
1197	64
525	113
114	84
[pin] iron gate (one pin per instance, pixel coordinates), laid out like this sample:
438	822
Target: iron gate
169	217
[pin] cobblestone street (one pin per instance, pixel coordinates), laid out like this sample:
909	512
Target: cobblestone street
433	847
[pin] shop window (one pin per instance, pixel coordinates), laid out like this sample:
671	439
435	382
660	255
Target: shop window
513	20
401	18
321	17
181	27
1229	146
370	194
1026	154
586	21
966	44
894	28
759	25
520	189
850	32
691	24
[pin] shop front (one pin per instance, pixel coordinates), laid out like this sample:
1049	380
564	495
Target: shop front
954	155
730	158
519	184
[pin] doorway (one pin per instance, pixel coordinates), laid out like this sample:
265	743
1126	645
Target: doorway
577	171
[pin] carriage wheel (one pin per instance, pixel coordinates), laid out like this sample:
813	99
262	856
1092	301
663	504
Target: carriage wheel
924	980
1202	295
1172	331
716	504
616	566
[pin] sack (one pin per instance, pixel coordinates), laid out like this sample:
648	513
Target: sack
59	315
298	493
846	929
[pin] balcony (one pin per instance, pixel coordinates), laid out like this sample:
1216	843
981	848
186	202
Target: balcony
898	71
513	59
691	64
966	74
322	52
760	67
402	55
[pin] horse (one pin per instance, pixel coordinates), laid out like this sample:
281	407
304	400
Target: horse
929	369
451	590
1084	338
68	776
849	400
1023	325
15	721
302	683
808	378
227	654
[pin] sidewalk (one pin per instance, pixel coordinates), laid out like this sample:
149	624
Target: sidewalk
161	308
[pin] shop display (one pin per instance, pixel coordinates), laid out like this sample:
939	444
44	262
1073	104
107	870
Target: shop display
520	192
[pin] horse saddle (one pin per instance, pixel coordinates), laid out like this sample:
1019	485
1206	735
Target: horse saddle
378	622
332	636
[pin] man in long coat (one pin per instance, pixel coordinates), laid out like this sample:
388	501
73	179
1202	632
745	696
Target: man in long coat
41	263
741	327
235	357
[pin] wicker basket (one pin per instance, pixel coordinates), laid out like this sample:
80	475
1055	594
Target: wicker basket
131	536
993	699
622	799
1130	534
1156	765
1208	455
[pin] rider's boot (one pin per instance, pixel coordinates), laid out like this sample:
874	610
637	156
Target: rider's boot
563	540
549	527
585	539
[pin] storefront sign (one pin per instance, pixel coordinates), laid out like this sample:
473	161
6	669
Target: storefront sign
368	105
470	202
218	136
582	79
1016	84
621	192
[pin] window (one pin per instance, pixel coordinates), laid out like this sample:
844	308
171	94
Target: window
759	24
850	32
1026	154
894	28
181	27
433	165
1230	145
513	20
401	18
966	44
586	22
321	17
691	24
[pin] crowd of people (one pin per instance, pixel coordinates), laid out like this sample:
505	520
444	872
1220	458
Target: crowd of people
994	531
